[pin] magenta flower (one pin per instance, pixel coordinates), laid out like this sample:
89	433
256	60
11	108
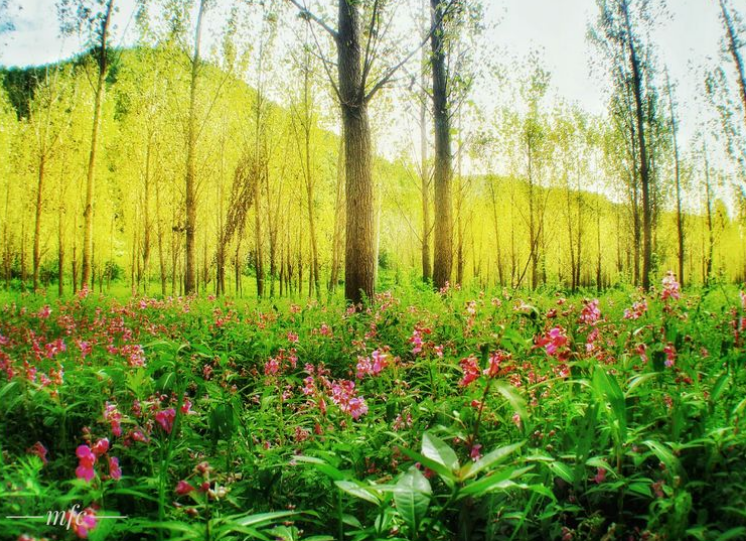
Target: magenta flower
470	367
165	418
114	470
82	523
182	488
496	360
101	447
670	352
86	460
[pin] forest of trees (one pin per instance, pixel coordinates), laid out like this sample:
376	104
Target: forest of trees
237	148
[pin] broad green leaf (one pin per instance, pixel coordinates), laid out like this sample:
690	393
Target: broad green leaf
436	449
412	498
354	488
665	455
447	475
562	470
325	468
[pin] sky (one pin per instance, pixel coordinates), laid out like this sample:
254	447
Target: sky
557	28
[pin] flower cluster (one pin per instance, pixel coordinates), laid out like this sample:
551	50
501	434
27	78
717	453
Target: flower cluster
371	366
671	288
88	456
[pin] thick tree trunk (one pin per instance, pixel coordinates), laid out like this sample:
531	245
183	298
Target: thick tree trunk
443	171
360	263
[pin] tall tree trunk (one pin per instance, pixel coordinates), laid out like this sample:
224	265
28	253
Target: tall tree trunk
103	50
60	250
677	175
710	226
339	221
37	222
360	262
638	91
734	47
191	158
443	160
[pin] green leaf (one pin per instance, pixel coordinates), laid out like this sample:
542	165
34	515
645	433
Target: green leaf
516	401
733	533
262	519
562	470
490	483
445	474
354	488
437	450
412	498
607	389
666	456
325	468
490	459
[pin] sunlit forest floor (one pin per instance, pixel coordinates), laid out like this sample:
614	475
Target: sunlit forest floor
463	414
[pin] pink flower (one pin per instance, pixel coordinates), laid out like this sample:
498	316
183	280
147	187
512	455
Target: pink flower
416	341
272	367
165	418
470	367
114	470
101	447
357	407
86	460
81	523
475	452
363	367
600	476
496	359
182	488
743	300
45	312
292	337
670	287
112	416
591	313
637	310
554	342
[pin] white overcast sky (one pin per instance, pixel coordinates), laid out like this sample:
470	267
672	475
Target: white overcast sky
557	27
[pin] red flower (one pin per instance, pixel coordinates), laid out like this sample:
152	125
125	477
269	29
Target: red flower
182	488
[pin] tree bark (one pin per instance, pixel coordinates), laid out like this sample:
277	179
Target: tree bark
360	260
443	168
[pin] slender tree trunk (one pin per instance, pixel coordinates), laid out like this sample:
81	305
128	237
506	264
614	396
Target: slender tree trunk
191	158
710	227
443	160
339	222
734	47
60	250
677	175
103	50
638	91
37	222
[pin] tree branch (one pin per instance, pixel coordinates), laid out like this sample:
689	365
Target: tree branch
306	14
